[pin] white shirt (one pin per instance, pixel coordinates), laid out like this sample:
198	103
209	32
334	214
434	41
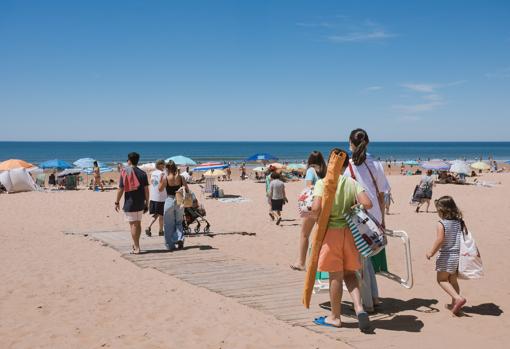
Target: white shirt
155	194
365	179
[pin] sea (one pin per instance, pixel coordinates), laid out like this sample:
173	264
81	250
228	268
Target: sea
235	152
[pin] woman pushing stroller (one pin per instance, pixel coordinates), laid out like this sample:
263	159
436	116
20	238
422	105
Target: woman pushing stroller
173	213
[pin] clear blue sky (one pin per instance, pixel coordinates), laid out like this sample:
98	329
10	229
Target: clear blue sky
254	70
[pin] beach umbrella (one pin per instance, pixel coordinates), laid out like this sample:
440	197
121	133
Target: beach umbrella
14	163
69	171
55	163
259	169
411	162
102	169
436	165
507	162
262	157
480	165
84	163
296	167
181	160
151	166
214	173
459	166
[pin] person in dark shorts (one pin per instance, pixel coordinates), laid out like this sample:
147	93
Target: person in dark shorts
277	196
134	185
157	203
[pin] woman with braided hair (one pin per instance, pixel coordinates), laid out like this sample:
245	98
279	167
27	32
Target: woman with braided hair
370	174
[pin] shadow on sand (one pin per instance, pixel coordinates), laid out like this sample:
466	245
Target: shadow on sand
164	250
488	309
389	309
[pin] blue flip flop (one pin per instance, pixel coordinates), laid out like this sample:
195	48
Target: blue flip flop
321	321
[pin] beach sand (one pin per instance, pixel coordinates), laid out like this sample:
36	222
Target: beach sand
64	291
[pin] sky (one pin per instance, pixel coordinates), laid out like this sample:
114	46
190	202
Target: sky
254	70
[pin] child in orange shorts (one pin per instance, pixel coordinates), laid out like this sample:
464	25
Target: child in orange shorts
338	255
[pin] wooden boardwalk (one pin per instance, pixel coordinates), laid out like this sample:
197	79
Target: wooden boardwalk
273	291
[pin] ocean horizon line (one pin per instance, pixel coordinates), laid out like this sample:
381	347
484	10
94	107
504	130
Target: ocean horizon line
243	141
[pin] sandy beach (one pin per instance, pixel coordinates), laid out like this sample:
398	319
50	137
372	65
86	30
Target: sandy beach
62	290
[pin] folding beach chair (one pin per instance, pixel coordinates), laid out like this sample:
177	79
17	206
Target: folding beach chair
322	279
209	185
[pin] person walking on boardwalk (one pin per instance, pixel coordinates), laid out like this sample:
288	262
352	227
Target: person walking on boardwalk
134	185
158	197
370	174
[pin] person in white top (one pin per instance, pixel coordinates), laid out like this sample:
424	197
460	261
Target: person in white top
370	174
157	203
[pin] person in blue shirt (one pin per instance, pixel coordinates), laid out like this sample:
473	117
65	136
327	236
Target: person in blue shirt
316	169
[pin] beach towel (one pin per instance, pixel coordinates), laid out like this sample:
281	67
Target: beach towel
129	179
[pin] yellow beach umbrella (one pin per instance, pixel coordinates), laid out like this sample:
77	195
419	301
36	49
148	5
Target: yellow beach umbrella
215	173
14	163
335	166
480	165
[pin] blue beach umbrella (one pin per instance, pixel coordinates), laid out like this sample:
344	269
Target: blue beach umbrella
262	157
181	160
55	163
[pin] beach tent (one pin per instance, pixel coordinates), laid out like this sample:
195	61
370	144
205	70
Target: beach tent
436	165
181	160
411	162
459	166
55	163
262	157
17	180
14	163
480	165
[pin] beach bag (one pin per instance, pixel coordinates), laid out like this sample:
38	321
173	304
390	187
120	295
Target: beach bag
129	179
184	199
369	236
470	262
305	201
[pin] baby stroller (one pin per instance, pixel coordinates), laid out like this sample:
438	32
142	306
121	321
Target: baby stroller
195	214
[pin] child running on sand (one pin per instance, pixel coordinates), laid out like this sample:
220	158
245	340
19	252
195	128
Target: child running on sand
449	229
